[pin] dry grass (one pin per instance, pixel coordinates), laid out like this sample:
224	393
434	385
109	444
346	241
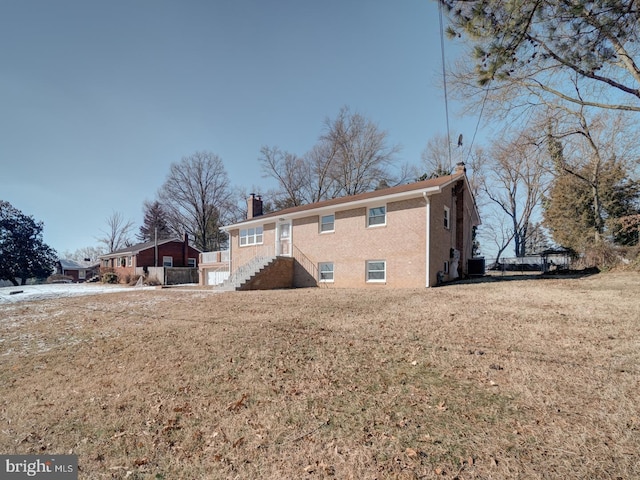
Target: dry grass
520	379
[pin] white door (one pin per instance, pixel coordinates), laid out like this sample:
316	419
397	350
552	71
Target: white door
284	239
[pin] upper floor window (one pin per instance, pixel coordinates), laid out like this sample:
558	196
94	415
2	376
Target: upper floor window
447	217
327	223
251	236
377	216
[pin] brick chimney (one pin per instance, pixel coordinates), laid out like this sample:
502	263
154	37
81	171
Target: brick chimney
254	206
185	250
460	168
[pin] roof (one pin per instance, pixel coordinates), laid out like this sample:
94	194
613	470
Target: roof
68	264
410	190
137	248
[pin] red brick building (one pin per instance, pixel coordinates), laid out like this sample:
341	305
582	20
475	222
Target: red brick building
145	258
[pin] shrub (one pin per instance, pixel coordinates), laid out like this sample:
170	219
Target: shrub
110	277
153	281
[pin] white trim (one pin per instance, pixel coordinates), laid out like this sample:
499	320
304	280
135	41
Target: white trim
427	199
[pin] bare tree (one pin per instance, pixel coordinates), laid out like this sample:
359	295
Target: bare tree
289	170
515	182
117	235
360	157
436	158
90	254
351	156
197	199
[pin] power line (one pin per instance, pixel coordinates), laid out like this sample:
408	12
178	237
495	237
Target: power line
444	81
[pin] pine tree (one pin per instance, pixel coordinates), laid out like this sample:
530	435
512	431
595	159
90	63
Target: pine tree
155	220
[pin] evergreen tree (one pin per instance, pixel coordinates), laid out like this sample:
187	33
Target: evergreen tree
23	253
155	220
569	209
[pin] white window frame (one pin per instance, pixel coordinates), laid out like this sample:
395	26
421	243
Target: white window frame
167	261
447	217
369	271
332	272
191	262
251	236
130	261
369	216
332	223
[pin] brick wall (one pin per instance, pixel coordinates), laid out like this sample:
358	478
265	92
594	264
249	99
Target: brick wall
277	275
401	242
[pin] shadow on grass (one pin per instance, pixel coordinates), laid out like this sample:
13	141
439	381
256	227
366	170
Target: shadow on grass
496	276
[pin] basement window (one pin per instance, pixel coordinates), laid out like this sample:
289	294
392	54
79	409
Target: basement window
376	271
326	271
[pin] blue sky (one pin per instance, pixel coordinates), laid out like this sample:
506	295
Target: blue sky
98	98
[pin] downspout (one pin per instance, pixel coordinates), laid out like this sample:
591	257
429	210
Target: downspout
427	199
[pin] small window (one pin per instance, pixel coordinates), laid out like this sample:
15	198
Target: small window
191	262
327	223
167	261
376	271
446	267
251	236
326	271
377	216
129	261
447	222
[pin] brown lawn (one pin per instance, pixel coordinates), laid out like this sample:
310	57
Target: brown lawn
500	379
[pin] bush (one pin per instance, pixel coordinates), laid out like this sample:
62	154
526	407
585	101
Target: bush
110	277
131	280
152	281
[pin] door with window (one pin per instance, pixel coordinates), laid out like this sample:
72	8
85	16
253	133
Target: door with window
284	239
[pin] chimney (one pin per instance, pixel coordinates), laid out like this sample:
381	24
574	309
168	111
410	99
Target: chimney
185	250
460	168
254	206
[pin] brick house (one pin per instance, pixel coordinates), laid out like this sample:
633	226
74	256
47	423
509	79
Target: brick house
79	271
151	258
415	235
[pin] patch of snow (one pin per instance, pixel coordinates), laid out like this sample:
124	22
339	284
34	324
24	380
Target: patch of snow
59	290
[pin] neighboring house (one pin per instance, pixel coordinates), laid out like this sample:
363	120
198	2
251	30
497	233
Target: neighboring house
78	271
152	259
415	235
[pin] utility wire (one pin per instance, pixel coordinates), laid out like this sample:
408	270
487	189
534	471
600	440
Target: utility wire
444	81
